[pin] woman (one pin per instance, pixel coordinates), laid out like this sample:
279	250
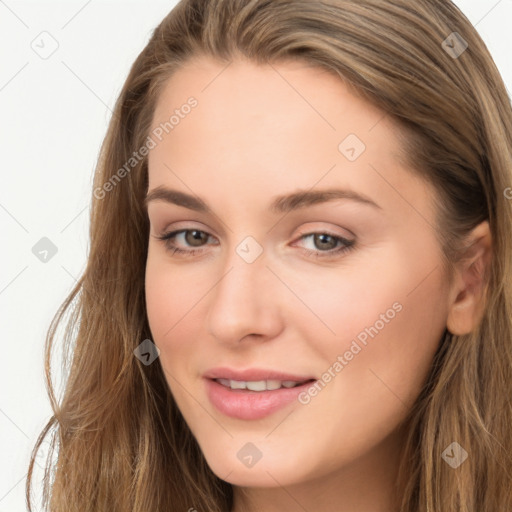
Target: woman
298	293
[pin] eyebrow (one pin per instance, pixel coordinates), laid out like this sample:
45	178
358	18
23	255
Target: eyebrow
280	204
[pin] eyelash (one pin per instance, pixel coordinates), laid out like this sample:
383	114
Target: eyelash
348	244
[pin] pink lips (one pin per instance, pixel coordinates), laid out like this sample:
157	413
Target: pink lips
251	405
253	374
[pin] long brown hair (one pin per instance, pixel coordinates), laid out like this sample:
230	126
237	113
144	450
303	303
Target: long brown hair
122	443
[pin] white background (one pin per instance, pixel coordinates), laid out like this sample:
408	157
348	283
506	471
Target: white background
54	114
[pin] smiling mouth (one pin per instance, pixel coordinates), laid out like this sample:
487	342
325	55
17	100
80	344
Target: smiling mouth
253	399
260	385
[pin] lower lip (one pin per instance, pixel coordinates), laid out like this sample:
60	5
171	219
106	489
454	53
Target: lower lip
251	405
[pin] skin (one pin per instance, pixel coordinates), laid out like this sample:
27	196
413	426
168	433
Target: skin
259	132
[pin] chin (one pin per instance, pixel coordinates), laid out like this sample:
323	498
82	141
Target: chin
244	464
258	476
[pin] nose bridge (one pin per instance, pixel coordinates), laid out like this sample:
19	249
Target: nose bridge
245	271
244	301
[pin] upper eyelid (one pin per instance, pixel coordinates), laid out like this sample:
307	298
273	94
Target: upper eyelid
188	227
175	232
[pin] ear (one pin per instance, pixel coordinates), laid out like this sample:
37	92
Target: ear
467	295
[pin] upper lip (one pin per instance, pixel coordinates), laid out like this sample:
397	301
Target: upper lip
254	374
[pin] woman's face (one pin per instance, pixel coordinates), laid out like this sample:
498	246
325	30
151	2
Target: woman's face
342	285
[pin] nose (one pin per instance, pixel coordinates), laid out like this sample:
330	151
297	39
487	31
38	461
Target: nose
245	303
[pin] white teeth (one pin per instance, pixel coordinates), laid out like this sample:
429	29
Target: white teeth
273	384
237	384
258	385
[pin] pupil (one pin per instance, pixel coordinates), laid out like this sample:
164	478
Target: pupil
322	238
196	236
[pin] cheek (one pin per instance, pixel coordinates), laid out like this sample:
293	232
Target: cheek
175	300
387	323
390	304
382	355
162	301
383	366
171	294
170	298
402	358
397	319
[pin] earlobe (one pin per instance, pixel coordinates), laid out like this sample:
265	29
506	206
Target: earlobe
467	300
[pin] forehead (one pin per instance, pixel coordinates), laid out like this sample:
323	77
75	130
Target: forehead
276	126
242	90
243	104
